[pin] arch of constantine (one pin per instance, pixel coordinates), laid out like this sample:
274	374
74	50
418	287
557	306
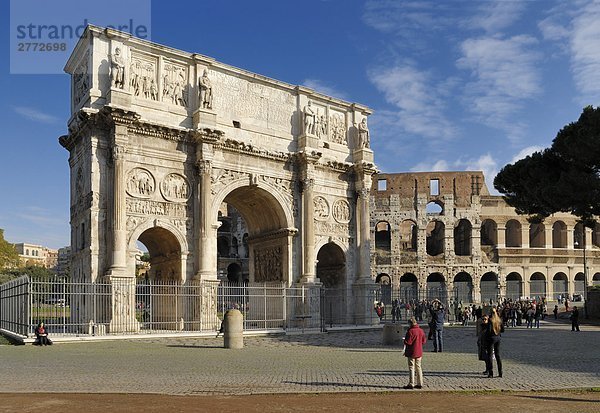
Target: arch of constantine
160	139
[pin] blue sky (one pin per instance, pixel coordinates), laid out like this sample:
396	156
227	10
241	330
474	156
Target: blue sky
455	85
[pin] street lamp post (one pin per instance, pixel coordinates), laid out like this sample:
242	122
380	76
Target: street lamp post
585	284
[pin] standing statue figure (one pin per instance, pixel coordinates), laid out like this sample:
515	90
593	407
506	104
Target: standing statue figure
363	134
309	119
206	91
117	70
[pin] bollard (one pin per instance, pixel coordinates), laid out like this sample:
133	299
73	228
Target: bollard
392	334
233	329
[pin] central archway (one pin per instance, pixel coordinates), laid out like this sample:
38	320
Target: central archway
267	218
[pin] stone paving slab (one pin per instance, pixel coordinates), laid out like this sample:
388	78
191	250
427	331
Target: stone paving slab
552	357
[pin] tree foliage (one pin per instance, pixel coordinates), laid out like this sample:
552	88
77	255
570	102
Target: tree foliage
562	178
9	258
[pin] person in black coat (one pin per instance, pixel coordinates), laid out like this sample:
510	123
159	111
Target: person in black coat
575	319
492	337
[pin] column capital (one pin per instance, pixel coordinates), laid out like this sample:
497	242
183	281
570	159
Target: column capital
204	166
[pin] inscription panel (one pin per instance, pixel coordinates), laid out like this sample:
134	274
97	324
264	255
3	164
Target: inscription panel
244	99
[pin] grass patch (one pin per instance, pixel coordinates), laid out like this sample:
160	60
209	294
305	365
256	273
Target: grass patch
4	341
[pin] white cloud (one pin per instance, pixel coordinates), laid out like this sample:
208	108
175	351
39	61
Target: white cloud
418	98
585	53
526	152
505	74
35	115
493	16
323	87
437	166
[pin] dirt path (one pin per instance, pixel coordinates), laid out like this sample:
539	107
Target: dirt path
560	401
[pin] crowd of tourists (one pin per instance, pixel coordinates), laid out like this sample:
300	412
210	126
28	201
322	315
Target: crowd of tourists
490	323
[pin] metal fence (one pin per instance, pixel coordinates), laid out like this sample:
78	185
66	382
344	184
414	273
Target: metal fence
127	306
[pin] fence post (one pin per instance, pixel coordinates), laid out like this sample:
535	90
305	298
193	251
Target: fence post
285	323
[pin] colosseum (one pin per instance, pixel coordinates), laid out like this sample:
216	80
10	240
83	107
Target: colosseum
441	234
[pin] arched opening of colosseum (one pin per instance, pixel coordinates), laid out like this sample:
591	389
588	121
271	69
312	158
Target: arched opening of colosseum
514	286
263	218
596	279
434	208
489	287
489	233
463	287
559	235
234	273
409	287
579	283
385	288
331	266
537	285
513	234
435	232
560	284
436	287
408	235
537	235
462	238
579	240
383	237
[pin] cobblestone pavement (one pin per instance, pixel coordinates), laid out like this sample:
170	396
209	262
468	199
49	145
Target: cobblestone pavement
552	357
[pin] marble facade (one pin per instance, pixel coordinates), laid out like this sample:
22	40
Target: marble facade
160	138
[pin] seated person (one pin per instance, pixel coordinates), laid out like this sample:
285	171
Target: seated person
41	335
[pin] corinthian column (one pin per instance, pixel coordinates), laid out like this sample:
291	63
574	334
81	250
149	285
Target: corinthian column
205	253
308	231
363	218
118	214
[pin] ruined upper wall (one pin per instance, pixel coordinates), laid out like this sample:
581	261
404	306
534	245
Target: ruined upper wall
460	185
185	90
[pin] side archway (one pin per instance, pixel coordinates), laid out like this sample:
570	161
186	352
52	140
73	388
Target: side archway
537	285
463	287
436	287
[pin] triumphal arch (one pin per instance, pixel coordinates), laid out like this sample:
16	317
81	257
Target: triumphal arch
160	138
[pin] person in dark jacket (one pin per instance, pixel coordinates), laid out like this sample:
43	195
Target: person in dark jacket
413	342
438	321
41	335
494	330
575	319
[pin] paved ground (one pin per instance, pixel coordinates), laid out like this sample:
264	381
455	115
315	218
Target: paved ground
552	357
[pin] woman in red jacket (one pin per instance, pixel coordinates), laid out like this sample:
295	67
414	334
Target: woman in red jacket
414	340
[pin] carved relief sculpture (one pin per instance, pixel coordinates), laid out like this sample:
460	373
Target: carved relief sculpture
341	211
140	183
364	140
175	85
321	207
81	81
338	128
309	119
175	188
117	70
267	265
143	78
206	91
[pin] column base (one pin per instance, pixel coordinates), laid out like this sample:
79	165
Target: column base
123	318
363	290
